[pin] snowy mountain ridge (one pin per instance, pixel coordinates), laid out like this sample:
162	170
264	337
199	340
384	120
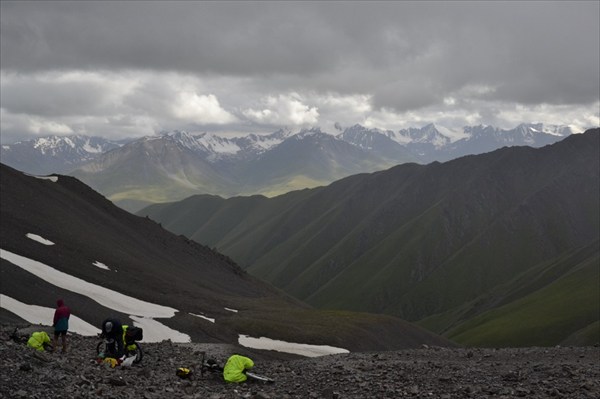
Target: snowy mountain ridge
53	153
59	154
55	145
358	135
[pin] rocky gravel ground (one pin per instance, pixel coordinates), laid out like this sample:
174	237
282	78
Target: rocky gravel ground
427	372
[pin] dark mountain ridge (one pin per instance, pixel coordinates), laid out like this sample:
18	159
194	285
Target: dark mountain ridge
423	240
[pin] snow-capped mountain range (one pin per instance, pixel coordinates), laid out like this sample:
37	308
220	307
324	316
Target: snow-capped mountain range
181	163
57	154
216	148
429	137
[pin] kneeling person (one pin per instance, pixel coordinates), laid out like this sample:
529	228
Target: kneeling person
39	341
112	329
234	370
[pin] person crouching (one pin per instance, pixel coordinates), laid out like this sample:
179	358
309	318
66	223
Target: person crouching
235	368
112	330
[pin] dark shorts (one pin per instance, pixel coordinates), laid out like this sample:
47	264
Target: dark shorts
59	333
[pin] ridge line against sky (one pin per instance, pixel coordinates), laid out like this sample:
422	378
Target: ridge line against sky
131	69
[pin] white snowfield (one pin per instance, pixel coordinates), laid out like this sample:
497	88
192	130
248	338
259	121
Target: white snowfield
104	296
53	179
142	313
42	315
100	265
155	331
39	239
289	347
203	317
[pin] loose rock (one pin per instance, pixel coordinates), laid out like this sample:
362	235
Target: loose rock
536	373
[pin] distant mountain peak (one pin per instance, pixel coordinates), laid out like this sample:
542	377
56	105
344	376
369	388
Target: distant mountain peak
427	134
524	130
556	130
364	137
363	129
312	132
180	135
53	143
282	133
55	154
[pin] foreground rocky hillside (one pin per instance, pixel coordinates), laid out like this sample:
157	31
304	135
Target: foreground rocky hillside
431	372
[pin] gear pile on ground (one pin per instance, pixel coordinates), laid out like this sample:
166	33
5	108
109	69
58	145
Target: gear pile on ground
431	372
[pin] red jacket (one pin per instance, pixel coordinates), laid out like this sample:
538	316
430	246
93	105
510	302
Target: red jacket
61	316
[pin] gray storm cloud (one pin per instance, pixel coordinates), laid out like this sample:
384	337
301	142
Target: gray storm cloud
402	56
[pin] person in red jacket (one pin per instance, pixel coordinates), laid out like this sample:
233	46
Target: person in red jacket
61	323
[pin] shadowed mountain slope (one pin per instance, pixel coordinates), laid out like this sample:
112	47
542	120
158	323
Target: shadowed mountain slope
161	169
151	264
151	170
553	302
416	240
309	159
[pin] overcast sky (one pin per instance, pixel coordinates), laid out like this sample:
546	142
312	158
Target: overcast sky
118	69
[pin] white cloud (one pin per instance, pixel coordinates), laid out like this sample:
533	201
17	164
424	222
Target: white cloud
205	68
342	109
23	126
192	107
135	103
578	118
358	104
45	126
464	112
60	94
283	110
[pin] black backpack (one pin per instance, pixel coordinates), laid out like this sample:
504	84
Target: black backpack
133	334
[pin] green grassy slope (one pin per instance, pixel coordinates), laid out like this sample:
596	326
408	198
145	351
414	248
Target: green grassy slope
548	316
421	242
432	263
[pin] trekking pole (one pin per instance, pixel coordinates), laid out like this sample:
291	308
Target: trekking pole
202	364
